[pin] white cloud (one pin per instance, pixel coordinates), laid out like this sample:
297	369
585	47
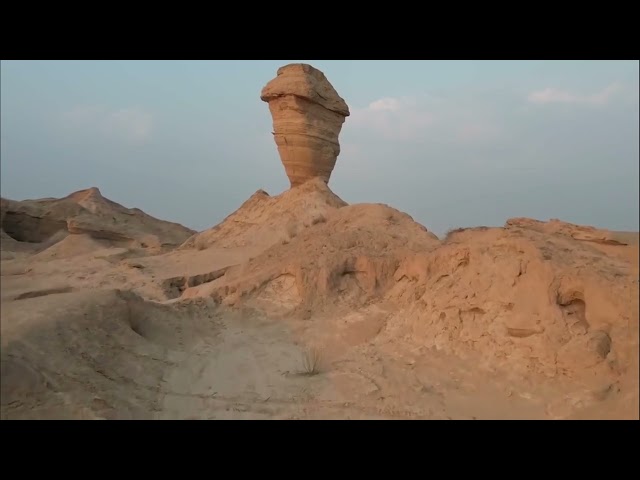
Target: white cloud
131	124
385	104
411	119
553	95
393	118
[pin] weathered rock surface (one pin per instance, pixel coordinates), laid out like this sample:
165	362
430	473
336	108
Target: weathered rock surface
526	321
583	233
307	116
263	220
542	300
85	212
534	320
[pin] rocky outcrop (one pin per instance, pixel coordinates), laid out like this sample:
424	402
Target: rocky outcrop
86	212
28	221
263	221
348	254
535	296
558	227
307	118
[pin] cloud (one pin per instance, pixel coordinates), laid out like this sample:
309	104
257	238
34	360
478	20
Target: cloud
553	95
385	104
393	118
426	118
131	124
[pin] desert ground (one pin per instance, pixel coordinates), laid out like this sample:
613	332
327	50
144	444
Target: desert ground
301	306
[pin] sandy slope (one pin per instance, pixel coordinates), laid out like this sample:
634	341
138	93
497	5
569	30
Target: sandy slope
534	320
109	355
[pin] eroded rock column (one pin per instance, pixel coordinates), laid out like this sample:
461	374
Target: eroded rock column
307	117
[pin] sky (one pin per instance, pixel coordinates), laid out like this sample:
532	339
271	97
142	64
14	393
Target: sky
451	143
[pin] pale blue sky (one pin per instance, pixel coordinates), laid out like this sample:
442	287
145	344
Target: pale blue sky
452	143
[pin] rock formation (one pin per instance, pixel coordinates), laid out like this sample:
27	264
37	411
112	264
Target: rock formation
85	212
307	118
529	296
577	232
104	318
263	221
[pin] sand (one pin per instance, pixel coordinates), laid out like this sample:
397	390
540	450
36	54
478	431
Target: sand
299	306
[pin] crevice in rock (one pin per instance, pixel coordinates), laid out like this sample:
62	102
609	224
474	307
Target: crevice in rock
174	287
27	228
43	293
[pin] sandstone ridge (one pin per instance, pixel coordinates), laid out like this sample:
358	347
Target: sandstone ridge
85	212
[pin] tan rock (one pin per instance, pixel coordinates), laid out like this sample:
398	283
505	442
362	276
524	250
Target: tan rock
263	220
307	118
45	221
558	227
534	320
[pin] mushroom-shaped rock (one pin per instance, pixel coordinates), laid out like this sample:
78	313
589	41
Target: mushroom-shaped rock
307	118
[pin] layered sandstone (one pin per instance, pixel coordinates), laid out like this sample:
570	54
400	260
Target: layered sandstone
307	116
